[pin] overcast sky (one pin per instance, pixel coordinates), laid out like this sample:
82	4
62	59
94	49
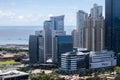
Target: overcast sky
34	12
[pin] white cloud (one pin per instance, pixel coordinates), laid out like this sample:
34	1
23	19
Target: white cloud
6	14
50	15
16	18
21	17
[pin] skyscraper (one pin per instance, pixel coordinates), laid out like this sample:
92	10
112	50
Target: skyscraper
48	39
112	24
33	48
93	30
76	39
63	43
52	27
54	46
42	46
96	11
57	22
81	17
36	47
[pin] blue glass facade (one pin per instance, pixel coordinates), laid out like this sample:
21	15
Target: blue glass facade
112	25
64	44
58	22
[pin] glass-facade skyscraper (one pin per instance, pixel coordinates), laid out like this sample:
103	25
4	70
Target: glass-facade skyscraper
57	22
112	24
63	44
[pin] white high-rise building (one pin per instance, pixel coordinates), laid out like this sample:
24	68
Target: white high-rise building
81	17
76	39
48	39
94	30
96	11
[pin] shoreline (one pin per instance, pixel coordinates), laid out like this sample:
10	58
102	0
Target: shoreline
15	46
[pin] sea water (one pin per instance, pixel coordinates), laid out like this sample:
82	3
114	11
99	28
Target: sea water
20	34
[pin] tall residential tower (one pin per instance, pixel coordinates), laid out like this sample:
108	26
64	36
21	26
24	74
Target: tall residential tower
81	17
93	30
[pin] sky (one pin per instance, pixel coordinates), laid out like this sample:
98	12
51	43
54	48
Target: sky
35	12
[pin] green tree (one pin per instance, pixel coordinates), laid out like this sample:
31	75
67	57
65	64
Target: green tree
117	69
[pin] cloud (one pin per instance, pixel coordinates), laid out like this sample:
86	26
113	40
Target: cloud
14	18
50	15
6	14
21	17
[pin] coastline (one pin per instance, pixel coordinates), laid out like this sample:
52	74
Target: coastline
16	46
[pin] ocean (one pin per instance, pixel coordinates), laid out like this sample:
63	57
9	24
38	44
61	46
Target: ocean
20	34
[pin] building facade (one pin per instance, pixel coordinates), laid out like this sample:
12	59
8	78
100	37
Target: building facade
46	45
13	75
94	30
74	61
48	39
96	11
76	39
94	33
56	33
33	48
63	43
80	59
57	22
36	47
112	24
81	17
102	59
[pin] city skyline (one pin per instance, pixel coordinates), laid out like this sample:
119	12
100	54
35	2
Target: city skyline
29	12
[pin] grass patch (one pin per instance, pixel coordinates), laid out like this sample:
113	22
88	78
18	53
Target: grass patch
8	62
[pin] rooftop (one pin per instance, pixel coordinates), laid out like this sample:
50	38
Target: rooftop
12	73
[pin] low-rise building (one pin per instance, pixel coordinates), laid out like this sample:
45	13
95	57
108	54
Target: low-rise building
74	61
80	59
13	75
102	59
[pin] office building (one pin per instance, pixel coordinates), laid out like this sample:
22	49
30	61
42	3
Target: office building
57	22
53	27
13	75
118	59
80	59
33	48
63	43
112	24
74	61
48	39
41	45
102	59
36	47
96	11
81	17
75	36
54	43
